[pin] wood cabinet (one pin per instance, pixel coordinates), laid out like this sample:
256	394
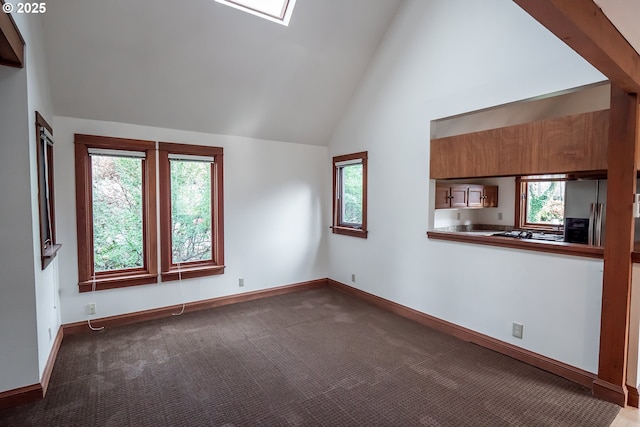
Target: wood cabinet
466	196
482	196
451	196
565	144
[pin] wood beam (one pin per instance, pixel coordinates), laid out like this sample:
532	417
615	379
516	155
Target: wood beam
616	288
11	42
586	29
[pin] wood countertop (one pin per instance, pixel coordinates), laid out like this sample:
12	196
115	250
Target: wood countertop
564	248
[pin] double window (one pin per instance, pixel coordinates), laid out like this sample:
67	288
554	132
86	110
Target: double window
116	198
350	194
540	205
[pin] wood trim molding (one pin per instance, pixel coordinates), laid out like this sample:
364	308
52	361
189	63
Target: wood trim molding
633	397
586	29
610	392
48	368
33	392
11	41
157	313
619	245
21	396
561	369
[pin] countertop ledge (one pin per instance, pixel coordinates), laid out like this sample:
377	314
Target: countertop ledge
481	238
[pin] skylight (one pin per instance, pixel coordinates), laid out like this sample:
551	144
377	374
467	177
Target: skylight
274	10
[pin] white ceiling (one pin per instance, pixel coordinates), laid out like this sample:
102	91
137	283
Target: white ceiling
625	15
203	66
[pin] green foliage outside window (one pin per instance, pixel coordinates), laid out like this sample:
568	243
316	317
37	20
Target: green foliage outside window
190	211
545	202
117	213
352	194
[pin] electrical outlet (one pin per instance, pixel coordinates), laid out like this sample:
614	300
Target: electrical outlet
50	336
241	282
91	308
499	216
516	330
353	278
457	215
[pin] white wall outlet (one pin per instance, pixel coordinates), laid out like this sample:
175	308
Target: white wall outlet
91	308
458	215
516	330
499	216
241	282
353	278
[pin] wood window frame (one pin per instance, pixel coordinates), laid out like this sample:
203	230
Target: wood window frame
87	279
521	205
169	270
49	246
337	226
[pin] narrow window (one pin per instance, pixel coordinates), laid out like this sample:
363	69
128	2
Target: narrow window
46	203
191	215
540	205
116	212
350	194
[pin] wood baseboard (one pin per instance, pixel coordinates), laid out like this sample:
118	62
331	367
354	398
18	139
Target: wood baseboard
633	398
610	392
558	368
48	369
157	313
20	396
33	392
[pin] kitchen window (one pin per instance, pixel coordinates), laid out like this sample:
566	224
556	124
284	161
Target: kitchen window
116	212
350	194
540	203
191	211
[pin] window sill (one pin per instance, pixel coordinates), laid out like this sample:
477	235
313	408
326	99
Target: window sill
348	231
49	254
118	282
564	248
192	272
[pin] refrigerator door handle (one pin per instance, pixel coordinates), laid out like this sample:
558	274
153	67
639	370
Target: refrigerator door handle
592	216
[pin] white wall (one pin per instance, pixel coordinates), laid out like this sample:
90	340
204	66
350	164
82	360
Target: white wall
438	59
274	223
39	99
27	307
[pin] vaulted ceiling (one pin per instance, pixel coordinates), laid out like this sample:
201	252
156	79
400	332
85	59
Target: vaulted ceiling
202	66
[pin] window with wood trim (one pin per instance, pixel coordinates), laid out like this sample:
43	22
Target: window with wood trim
46	194
191	211
350	194
540	202
116	212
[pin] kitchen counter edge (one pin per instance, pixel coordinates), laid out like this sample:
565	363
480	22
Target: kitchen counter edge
564	248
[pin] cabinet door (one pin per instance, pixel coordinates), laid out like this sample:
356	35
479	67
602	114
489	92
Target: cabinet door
490	196
475	197
442	197
459	196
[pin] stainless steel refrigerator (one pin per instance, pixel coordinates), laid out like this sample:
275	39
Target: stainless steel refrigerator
586	199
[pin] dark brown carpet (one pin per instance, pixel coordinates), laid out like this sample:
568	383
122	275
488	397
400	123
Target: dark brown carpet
307	358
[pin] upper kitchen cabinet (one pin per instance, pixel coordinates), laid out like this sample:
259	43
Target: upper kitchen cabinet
482	196
451	196
466	196
574	143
